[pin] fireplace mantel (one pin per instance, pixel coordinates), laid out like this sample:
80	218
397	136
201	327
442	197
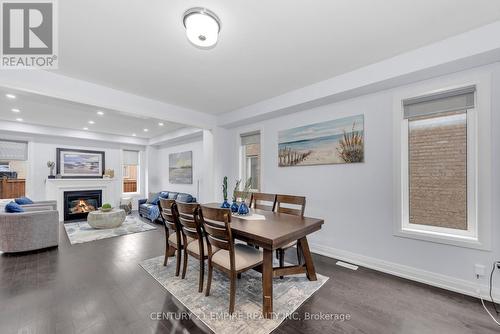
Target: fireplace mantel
55	188
78	180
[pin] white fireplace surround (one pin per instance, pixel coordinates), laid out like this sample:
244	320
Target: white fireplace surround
55	188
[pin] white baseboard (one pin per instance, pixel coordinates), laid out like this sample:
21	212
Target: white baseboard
438	280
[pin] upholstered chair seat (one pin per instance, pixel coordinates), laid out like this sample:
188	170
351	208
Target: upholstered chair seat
195	247
173	238
244	257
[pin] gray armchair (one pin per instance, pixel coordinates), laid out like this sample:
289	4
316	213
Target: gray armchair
52	204
36	228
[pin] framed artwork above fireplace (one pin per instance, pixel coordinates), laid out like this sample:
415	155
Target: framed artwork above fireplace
79	164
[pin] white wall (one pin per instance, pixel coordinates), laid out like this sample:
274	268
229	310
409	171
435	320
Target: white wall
162	162
357	200
43	148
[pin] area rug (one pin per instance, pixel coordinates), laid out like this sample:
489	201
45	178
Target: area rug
80	232
289	293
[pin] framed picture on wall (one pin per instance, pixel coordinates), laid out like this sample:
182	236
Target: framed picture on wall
180	167
80	164
339	141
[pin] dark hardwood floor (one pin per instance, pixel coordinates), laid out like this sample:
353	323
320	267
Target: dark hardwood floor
98	287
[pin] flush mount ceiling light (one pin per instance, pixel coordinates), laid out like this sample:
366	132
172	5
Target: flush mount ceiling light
100	113
15	110
202	27
160	124
10	96
19	119
91	122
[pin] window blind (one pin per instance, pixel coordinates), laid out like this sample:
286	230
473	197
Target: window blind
13	150
250	138
130	157
443	102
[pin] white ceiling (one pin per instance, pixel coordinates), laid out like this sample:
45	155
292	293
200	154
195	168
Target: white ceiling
265	48
47	111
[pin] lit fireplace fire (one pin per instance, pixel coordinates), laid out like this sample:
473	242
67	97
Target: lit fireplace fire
82	207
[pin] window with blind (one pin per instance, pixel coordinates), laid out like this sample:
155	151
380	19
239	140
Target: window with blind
438	164
131	171
250	159
13	168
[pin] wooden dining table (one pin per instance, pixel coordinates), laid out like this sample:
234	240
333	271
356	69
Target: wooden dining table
273	232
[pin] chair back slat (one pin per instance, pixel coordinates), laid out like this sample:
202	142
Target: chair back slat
217	225
168	212
263	201
298	201
219	243
187	219
215	229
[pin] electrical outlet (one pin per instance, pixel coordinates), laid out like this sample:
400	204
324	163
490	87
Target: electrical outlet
479	270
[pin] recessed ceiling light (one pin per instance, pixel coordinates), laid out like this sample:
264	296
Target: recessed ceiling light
10	96
100	113
15	110
202	27
160	124
85	128
146	130
133	135
19	119
91	122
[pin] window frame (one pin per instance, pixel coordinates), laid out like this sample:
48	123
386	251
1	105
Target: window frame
478	234
472	232
139	172
243	159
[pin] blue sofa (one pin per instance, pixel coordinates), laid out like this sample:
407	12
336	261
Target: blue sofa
148	207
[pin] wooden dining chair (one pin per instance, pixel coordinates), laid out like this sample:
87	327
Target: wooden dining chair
191	230
292	205
173	239
240	196
230	258
263	201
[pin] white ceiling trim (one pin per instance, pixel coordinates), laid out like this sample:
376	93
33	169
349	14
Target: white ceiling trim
66	88
39	130
178	136
473	48
174	138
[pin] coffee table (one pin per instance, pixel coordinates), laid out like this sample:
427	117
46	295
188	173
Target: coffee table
110	219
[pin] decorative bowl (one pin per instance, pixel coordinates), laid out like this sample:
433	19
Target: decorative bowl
105	209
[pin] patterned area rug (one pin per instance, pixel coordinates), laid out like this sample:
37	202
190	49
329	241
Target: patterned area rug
289	293
81	232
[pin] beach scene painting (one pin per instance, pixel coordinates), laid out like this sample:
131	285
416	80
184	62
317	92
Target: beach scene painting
80	163
180	168
337	141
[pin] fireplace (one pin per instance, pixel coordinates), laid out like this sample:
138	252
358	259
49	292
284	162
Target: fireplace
77	204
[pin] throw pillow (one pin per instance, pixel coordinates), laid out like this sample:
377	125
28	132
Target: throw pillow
13	207
154	198
172	195
184	198
23	200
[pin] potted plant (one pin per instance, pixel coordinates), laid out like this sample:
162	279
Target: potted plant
235	206
106	207
51	165
225	204
243	209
